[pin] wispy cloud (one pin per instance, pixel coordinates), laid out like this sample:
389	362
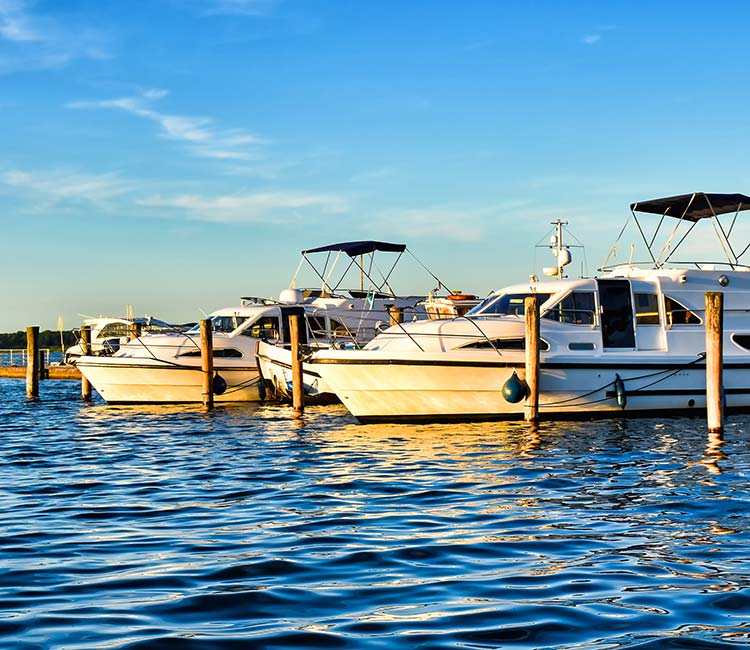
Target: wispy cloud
276	207
443	222
69	190
375	176
15	24
479	45
247	8
33	42
596	35
58	186
240	7
203	138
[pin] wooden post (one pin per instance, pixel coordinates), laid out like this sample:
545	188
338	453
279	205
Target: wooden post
85	350
531	408
135	330
298	394
714	360
207	362
32	361
43	372
395	314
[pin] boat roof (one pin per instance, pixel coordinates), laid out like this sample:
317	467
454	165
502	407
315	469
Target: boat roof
695	206
354	248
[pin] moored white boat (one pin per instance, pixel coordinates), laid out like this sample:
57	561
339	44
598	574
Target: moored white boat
108	333
166	367
631	341
341	317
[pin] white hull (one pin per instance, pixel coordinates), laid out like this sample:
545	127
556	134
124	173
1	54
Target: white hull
448	385
275	364
121	381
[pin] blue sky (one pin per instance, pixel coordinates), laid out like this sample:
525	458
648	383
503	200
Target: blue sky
176	154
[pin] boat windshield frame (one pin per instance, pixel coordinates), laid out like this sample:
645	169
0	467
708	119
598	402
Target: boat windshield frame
480	310
220	323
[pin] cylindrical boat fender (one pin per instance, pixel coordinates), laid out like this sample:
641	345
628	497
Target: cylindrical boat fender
622	397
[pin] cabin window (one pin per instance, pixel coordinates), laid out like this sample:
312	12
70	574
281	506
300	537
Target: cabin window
742	340
507	304
317	325
577	308
114	330
678	314
503	344
218	352
646	308
227	323
266	327
338	328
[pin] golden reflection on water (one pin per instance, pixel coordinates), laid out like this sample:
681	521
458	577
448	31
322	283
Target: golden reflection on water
713	453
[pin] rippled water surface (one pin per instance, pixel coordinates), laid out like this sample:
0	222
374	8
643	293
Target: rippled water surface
168	527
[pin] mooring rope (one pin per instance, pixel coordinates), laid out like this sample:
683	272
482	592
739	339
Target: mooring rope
671	372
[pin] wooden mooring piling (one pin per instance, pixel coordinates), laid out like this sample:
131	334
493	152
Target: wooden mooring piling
531	407
32	361
207	363
298	389
714	361
85	349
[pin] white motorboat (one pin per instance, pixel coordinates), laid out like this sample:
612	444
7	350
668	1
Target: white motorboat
108	333
166	367
368	309
451	305
631	341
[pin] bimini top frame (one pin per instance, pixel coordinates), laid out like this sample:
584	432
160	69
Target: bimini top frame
361	256
689	208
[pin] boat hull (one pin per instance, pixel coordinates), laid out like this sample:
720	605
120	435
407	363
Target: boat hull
275	364
121	381
449	386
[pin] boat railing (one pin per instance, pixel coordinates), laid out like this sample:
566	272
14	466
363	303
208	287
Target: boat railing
688	265
20	356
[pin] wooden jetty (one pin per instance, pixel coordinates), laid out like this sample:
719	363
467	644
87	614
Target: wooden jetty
49	372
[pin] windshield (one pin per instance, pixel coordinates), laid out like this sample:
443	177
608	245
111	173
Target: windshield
506	304
222	324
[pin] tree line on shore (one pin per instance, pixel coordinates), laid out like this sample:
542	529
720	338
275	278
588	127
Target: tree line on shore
47	339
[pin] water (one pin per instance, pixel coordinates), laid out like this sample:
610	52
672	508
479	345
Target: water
125	527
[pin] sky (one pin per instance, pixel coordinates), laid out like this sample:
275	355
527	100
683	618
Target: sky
174	155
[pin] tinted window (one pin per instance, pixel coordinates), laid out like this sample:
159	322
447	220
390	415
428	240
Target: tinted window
317	325
264	328
646	308
219	352
114	330
678	314
227	323
503	344
508	303
577	308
